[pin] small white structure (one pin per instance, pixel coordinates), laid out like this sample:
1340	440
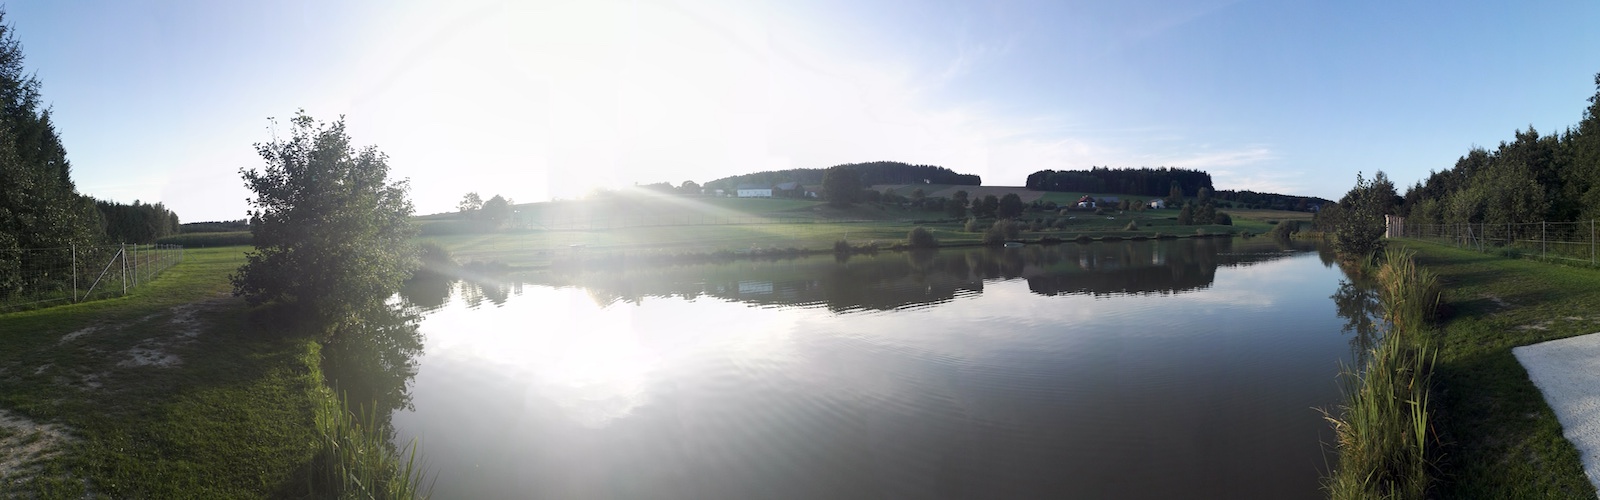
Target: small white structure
754	191
1158	203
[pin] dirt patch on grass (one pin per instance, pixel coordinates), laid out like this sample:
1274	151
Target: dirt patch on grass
25	443
184	327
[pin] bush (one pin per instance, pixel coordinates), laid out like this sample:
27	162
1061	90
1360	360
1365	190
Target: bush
841	247
1132	226
1099	211
921	237
971	225
1001	231
1285	229
1222	219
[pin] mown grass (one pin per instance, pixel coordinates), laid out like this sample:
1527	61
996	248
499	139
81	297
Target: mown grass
1385	428
234	417
1501	440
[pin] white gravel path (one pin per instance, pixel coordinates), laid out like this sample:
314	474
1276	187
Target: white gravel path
1567	371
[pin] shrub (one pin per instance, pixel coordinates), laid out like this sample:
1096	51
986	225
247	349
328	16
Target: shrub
921	237
1132	226
1036	226
1285	230
1222	218
1001	231
1099	211
971	226
841	247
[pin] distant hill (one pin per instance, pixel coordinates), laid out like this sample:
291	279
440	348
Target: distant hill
877	172
1159	183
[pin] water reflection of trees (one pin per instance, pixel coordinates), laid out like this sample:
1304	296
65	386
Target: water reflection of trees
371	359
897	280
1358	302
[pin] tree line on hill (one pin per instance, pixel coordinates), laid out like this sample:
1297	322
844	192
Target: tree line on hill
1172	183
1175	182
871	173
1531	178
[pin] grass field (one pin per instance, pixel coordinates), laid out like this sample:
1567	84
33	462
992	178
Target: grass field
1501	439
177	390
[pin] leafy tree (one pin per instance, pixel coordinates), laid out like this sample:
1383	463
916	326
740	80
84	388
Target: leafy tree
332	232
841	186
957	206
1009	206
1186	216
496	211
986	207
1359	226
689	187
470	202
917	195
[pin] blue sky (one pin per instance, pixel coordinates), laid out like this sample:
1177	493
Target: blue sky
162	101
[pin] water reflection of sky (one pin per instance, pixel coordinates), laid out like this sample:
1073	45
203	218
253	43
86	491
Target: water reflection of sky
1007	391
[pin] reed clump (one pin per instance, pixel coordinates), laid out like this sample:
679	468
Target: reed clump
354	458
1385	431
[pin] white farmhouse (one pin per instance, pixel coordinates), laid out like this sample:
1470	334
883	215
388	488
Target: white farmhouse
1158	203
754	191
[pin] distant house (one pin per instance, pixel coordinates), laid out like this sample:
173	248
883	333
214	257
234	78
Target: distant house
754	191
1158	203
812	191
787	190
1086	202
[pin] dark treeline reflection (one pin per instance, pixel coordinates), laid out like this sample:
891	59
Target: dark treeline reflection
896	280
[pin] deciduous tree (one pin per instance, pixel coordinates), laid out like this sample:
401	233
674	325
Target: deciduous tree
332	232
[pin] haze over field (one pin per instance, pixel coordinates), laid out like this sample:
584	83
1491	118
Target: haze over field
531	100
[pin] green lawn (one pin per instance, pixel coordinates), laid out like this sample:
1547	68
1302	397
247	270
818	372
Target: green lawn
229	416
1500	438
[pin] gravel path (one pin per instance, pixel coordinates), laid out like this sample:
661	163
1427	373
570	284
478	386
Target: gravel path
1567	371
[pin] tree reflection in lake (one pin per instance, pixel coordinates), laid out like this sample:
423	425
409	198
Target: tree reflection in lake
1358	302
895	280
371	360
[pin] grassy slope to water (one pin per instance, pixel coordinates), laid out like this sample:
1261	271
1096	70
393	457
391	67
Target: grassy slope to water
1501	439
232	419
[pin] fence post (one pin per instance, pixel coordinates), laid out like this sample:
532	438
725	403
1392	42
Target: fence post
1542	237
74	273
122	251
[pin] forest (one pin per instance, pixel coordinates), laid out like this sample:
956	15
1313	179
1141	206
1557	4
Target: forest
40	207
1157	182
1530	178
872	173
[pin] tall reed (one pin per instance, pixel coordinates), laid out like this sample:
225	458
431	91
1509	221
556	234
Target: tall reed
1384	427
354	459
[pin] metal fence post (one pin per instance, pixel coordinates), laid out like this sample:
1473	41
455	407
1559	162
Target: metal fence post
122	251
1542	237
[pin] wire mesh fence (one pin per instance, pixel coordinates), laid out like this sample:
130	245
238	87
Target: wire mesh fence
40	277
1573	241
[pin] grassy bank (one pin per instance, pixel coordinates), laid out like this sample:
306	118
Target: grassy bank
175	391
1386	444
1500	438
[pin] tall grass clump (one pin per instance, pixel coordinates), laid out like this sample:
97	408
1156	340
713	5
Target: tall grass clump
1384	427
355	460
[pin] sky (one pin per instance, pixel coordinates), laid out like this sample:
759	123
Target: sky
533	100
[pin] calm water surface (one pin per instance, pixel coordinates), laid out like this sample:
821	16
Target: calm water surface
1161	369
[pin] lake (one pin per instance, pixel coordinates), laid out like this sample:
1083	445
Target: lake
1187	368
